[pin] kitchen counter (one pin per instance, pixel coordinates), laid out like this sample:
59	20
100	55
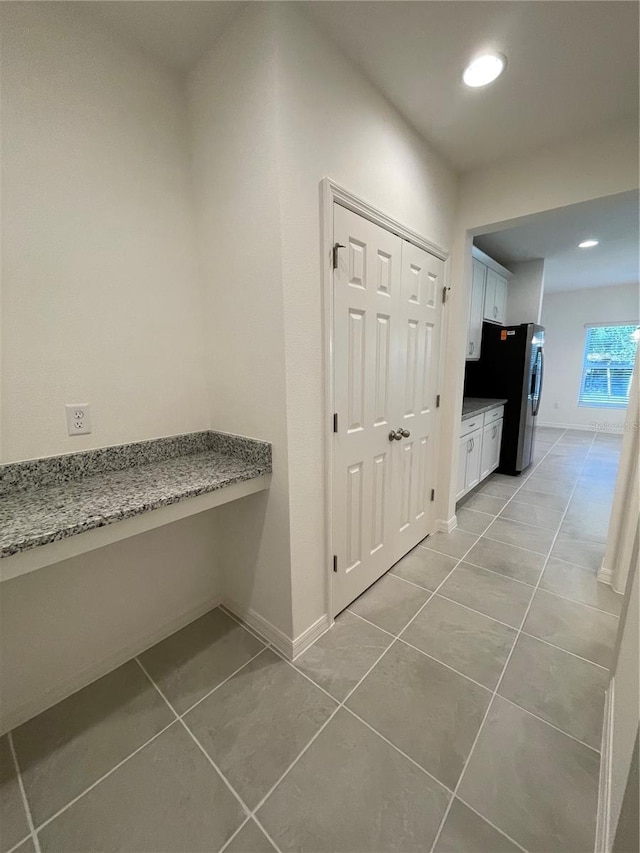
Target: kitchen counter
44	501
477	405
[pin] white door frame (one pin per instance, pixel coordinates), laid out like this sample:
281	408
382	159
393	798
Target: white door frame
330	193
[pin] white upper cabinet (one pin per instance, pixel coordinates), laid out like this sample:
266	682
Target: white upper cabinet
474	334
495	297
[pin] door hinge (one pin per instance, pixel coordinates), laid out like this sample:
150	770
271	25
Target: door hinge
335	562
444	294
335	422
433	494
336	246
437	401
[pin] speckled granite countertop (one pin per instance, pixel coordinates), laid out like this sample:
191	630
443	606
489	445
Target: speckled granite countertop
45	500
477	405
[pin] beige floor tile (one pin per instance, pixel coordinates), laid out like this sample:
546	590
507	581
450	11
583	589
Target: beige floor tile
473	521
424	567
351	791
483	503
258	722
580	553
455	544
559	687
13	819
166	798
250	839
390	603
531	497
521	535
191	662
581	585
507	560
466	832
65	749
342	656
493	594
535	783
547	519
574	627
429	712
469	642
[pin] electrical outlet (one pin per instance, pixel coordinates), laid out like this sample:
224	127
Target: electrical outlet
78	418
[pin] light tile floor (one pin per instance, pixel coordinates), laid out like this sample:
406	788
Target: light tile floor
456	706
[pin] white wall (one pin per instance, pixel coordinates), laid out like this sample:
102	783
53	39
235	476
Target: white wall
65	625
492	198
564	316
333	123
101	301
525	293
232	108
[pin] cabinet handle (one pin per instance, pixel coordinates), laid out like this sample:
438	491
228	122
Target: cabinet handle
471	345
469	446
495	432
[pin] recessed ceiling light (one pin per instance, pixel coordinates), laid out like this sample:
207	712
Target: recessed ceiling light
484	69
587	244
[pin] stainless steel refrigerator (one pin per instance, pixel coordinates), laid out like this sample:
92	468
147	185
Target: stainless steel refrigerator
511	366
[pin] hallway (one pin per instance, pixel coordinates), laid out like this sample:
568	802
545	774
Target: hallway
456	706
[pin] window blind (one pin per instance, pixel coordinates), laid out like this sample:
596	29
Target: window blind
607	366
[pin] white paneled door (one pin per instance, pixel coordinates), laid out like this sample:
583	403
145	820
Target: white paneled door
386	310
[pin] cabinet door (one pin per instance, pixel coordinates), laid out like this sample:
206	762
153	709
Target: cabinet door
474	338
472	474
491	438
463	450
489	311
500	299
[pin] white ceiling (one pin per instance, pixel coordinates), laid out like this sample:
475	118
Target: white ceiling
572	66
555	235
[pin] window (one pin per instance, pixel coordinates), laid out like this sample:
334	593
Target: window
609	354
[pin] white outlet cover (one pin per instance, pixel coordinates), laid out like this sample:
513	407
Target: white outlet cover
78	418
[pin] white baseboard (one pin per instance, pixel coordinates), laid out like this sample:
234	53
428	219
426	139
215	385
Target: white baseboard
288	647
443	526
604	786
605	575
37	704
308	637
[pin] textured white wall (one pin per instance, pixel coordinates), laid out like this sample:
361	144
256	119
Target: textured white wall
526	289
333	123
101	300
65	625
492	198
564	316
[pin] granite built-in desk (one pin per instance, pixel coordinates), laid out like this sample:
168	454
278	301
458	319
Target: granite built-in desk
61	506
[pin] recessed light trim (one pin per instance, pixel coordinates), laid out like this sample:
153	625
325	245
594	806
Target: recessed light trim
484	69
588	244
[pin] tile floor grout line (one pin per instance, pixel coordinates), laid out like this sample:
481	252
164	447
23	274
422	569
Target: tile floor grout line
322	727
553	725
486	820
28	837
389	573
104	776
228	678
477	612
179	719
235	834
397	749
498	574
23	793
566	651
384	630
575	600
498	685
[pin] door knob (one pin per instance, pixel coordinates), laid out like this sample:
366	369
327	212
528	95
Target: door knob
404	433
393	435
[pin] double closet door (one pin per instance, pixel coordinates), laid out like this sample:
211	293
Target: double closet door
386	343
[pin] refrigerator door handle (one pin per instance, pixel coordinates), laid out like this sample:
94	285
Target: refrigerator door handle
540	378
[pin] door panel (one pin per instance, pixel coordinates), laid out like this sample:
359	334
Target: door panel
386	349
366	297
419	327
472	477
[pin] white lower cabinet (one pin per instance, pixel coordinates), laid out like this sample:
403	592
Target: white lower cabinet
479	449
491	438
